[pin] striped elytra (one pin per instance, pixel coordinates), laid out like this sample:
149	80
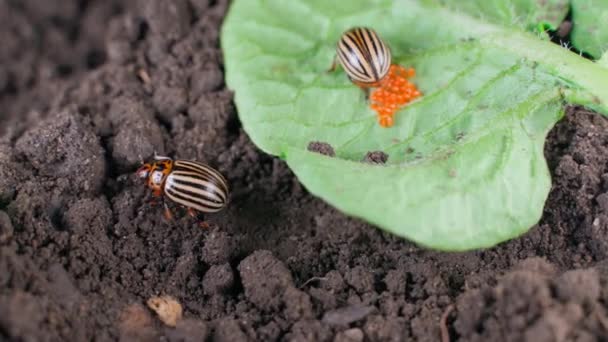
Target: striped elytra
197	186
189	183
364	56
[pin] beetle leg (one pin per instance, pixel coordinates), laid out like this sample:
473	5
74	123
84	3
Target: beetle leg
202	223
366	92
333	66
168	214
191	212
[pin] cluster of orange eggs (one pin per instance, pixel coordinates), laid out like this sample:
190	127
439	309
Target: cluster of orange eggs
393	92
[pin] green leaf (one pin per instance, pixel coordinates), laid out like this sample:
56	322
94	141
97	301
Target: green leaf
604	60
466	166
590	29
524	14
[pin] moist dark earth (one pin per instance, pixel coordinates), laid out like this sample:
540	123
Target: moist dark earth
90	88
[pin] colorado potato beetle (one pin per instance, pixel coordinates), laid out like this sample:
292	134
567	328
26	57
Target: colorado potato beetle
191	184
366	59
364	56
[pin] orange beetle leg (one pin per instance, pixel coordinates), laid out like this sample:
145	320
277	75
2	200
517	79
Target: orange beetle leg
333	66
191	212
168	214
365	91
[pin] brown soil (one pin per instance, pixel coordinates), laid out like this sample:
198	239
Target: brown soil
89	88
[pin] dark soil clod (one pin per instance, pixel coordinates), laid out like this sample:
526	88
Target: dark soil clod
218	279
375	157
321	147
265	279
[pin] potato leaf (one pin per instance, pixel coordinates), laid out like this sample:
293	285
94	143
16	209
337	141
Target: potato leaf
604	60
524	14
466	166
590	29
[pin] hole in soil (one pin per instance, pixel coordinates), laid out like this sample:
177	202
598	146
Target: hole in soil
379	284
143	30
195	15
57	219
82	5
233	126
4	203
64	70
455	283
164	123
95	58
111	186
10	86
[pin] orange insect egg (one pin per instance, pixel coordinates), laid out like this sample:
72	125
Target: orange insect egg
367	62
385	120
393	92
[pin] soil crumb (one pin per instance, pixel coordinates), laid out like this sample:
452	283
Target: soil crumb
168	309
375	157
321	147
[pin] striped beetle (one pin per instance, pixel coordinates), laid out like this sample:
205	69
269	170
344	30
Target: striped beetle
364	56
192	184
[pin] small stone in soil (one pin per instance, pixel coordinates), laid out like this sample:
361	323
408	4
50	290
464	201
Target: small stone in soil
375	157
168	309
347	315
321	147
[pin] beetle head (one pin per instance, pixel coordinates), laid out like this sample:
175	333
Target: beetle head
144	171
155	173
